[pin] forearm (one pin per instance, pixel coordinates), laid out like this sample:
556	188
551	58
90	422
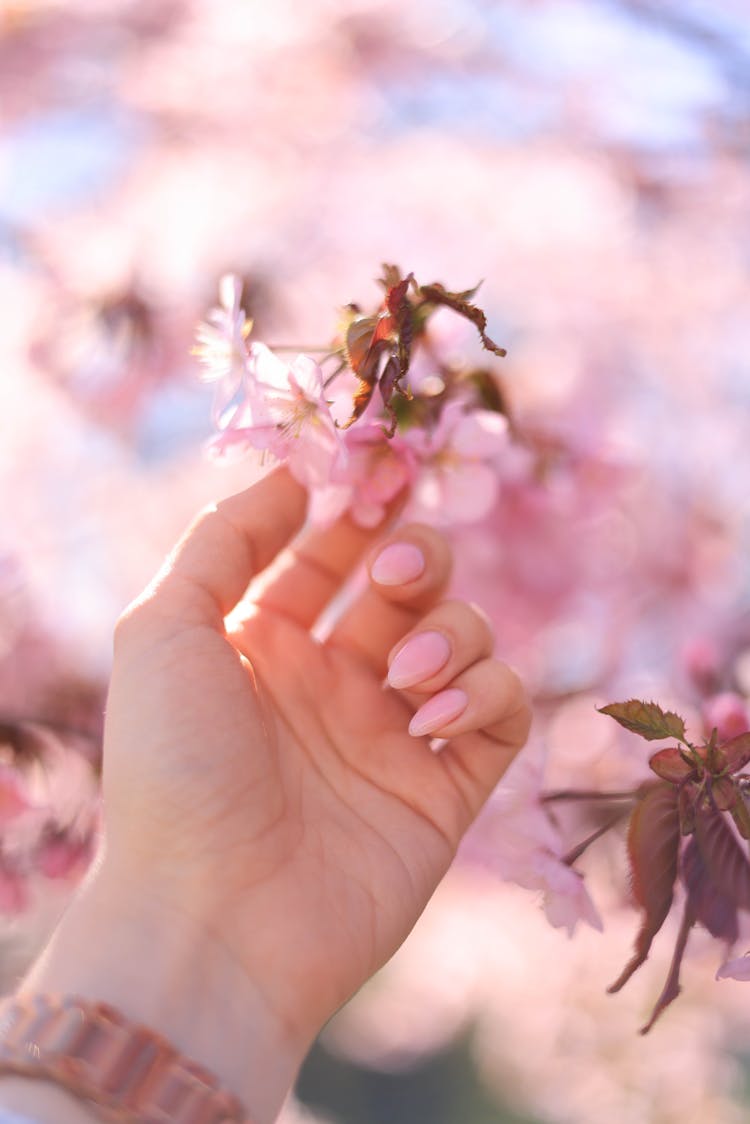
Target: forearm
163	970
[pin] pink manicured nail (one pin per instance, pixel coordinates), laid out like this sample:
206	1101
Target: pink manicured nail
421	656
397	564
438	711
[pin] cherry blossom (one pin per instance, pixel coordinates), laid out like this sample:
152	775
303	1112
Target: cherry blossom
62	855
14	800
586	595
14	895
374	472
736	969
459	463
222	344
566	899
283	411
728	712
526	846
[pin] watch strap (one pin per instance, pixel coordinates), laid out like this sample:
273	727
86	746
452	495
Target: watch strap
124	1071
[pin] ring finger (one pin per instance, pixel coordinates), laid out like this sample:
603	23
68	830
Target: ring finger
445	642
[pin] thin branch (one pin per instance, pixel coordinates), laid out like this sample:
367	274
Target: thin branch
586	794
578	850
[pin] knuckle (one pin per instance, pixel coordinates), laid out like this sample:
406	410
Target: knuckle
483	624
516	689
435	544
469	620
519	709
132	622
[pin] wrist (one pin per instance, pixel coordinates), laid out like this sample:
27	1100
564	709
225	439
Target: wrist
159	967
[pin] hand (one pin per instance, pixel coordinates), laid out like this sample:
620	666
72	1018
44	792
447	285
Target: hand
261	788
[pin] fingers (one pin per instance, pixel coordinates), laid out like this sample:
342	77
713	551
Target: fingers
475	703
408	573
307	576
210	568
477	759
480	698
447	640
485	717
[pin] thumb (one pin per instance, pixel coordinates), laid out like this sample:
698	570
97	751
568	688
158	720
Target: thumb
212	565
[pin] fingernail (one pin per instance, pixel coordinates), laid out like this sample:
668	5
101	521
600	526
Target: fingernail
421	656
438	711
397	564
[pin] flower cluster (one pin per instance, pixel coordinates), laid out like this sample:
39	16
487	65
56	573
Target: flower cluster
380	411
49	812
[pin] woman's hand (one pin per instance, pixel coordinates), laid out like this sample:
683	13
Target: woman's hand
269	817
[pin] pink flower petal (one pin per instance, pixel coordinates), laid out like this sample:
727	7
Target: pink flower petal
14	896
230	292
458	493
480	435
737	969
13	798
727	712
63	857
306	374
266	368
566	899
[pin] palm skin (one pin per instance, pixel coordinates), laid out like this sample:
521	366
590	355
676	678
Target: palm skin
265	783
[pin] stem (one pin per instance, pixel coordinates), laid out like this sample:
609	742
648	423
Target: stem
586	794
672	986
334	375
295	347
578	850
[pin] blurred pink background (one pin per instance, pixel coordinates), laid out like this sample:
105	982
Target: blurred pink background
589	160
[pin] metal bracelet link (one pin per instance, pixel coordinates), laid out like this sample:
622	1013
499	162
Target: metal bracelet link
125	1072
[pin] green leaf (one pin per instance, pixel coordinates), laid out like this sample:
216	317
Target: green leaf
653	847
647	719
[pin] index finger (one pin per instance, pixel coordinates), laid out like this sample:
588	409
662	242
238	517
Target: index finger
230	542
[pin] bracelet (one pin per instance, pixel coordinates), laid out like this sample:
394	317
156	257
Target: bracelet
123	1071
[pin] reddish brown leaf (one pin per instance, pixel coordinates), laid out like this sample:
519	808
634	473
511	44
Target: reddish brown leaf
735	753
670	765
723	856
653	845
369	338
647	719
741	817
363	394
388	383
395	296
672	986
461	303
401	326
708	904
489	390
724	792
686	807
357	339
391	276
